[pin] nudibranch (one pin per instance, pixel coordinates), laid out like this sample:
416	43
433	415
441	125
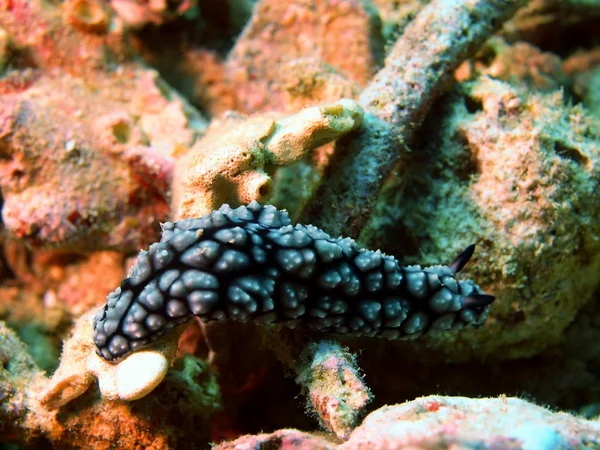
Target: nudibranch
251	263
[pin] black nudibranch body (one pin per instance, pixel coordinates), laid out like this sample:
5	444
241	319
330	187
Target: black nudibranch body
250	263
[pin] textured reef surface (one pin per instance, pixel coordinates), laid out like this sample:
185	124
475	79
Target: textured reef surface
236	224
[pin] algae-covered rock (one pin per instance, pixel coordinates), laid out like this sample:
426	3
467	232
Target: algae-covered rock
516	172
20	381
337	391
588	86
438	422
89	139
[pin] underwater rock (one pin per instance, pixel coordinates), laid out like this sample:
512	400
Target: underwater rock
445	423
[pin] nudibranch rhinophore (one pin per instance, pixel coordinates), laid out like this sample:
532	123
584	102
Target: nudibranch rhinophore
251	263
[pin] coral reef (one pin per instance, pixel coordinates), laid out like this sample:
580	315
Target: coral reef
278	34
396	101
137	316
419	127
250	263
80	117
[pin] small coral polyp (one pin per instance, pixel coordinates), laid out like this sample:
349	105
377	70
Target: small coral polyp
251	263
87	15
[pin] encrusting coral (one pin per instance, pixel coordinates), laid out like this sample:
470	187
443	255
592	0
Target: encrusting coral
235	161
87	133
89	185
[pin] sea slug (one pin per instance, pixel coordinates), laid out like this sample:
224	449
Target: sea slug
250	263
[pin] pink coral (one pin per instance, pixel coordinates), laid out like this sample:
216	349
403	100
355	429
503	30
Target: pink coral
89	184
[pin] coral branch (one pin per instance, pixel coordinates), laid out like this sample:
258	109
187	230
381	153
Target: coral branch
417	70
234	162
336	390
